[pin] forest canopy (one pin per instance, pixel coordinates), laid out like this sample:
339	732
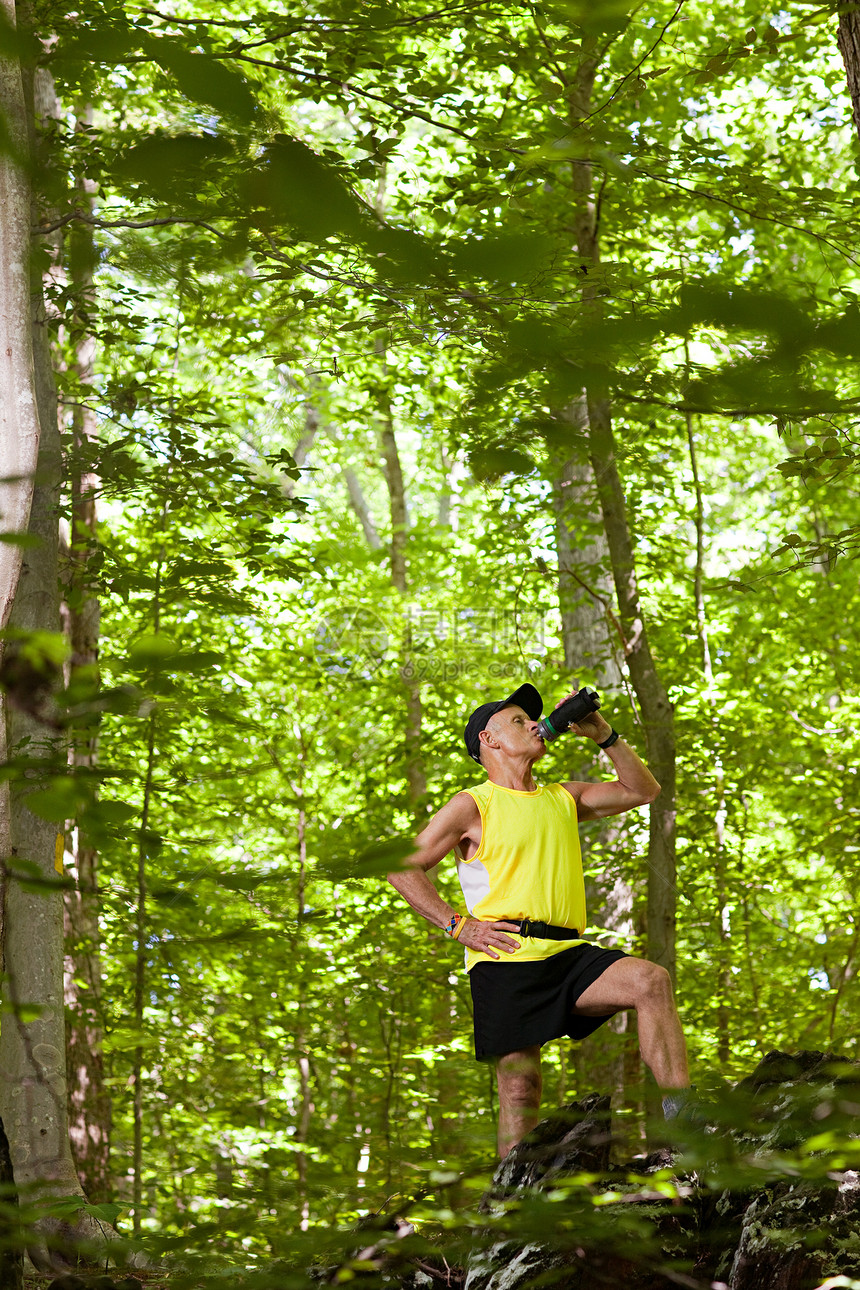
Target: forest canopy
403	354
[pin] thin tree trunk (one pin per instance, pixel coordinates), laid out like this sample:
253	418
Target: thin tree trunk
396	500
398	514
308	435
89	1099
140	964
359	504
303	1123
446	516
305	442
721	894
656	710
357	499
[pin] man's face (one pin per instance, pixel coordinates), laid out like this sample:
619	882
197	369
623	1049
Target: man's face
515	733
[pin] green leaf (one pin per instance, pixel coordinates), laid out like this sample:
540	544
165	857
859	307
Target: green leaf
196	660
151	843
379	858
511	257
494	462
98	44
23	1012
123	1038
741	308
112	812
151	651
108	1212
28	541
30	877
298	189
166	164
593	17
204	79
59	802
538	337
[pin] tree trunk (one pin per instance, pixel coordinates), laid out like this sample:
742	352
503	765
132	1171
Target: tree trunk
33	1103
589	627
19	419
848	40
396	500
657	714
305	442
32	1052
656	710
446	515
592	645
298	1018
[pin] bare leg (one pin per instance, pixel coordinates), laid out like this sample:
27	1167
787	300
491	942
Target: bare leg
636	983
518	1077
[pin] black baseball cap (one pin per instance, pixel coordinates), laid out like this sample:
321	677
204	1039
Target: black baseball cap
526	697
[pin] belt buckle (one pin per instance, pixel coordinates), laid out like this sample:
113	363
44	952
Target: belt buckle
525	925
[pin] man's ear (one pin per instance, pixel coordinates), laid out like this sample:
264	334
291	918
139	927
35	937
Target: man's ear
489	740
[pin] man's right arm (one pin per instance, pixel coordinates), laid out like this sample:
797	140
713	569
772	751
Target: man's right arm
456	822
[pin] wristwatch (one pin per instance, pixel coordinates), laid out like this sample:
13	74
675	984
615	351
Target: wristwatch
613	737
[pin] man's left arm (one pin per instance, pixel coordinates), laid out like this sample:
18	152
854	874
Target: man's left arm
634	785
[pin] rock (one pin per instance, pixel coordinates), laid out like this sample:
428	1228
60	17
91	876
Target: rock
508	1265
574	1139
793	1236
71	1281
738	1219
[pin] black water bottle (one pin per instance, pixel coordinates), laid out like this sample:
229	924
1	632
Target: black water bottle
573	709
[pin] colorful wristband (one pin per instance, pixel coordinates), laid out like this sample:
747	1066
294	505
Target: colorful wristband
455	926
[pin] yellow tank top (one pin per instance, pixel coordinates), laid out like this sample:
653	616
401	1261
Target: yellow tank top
528	865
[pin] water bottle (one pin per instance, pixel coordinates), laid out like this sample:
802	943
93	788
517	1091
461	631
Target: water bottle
573	709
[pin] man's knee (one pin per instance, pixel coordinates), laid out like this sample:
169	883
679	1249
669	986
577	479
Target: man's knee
520	1091
654	986
519	1080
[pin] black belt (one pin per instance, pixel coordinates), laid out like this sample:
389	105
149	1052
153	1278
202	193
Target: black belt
543	931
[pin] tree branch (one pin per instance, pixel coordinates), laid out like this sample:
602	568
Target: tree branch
79	217
324	25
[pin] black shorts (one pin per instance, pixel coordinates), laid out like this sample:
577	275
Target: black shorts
517	1005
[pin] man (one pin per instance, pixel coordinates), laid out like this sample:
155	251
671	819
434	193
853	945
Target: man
518	858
